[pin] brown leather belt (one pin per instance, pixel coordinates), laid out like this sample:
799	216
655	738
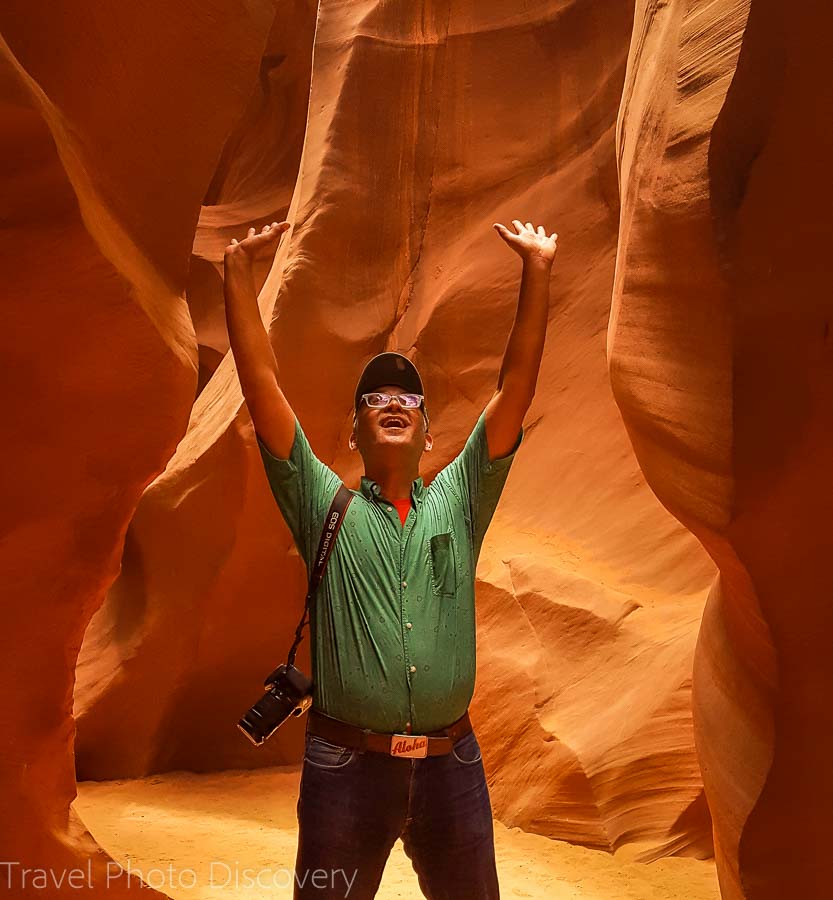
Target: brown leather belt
413	746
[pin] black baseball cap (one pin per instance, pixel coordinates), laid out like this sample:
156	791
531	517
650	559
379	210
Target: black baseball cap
389	368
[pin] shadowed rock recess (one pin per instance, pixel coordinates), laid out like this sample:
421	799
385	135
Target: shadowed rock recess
675	466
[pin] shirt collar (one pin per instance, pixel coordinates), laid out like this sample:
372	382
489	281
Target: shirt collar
372	491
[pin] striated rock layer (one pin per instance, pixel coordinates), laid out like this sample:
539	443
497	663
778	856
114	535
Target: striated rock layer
426	123
114	118
392	135
204	572
721	360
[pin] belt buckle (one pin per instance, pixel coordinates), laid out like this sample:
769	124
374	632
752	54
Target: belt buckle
413	746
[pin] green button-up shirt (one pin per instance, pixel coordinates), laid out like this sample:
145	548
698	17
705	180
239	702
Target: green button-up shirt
393	626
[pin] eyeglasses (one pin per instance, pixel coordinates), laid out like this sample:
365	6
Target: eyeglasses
378	400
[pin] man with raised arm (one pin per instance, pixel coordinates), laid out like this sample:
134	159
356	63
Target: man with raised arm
390	750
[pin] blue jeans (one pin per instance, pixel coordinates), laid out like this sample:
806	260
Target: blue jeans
353	806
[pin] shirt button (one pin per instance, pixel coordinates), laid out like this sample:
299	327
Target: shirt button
412	669
404	584
390	509
408	625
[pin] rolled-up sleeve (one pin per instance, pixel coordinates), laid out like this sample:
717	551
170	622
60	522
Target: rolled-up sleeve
303	487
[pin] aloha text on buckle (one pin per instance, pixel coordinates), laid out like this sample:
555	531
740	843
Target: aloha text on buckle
411	745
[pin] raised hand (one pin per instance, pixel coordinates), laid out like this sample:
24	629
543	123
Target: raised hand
257	245
528	242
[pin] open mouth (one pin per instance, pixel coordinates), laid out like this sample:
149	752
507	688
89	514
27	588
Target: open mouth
393	422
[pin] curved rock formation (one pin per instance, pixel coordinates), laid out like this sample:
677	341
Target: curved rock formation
425	126
720	358
256	174
203	568
113	118
392	135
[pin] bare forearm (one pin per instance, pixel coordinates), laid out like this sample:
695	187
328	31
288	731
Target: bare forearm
253	355
257	368
522	358
524	349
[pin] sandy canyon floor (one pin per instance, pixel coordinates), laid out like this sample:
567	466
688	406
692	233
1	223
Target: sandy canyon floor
233	835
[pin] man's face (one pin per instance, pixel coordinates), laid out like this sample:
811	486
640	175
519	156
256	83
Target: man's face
390	427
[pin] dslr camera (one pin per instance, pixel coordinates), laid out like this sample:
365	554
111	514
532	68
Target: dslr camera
288	693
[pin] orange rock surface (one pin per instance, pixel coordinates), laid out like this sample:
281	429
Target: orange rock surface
114	118
392	136
590	593
720	358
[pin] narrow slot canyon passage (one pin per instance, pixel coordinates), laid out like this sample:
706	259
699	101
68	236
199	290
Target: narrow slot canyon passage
646	596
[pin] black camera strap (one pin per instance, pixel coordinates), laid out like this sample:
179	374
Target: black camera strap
332	523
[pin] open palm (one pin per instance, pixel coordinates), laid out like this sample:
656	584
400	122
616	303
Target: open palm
259	245
529	242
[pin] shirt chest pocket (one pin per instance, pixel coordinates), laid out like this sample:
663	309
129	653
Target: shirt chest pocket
443	565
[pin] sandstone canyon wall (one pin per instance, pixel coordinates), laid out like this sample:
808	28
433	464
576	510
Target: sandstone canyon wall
392	135
113	119
426	125
722	363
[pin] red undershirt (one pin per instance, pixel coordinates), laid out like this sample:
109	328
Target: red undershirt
402	507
